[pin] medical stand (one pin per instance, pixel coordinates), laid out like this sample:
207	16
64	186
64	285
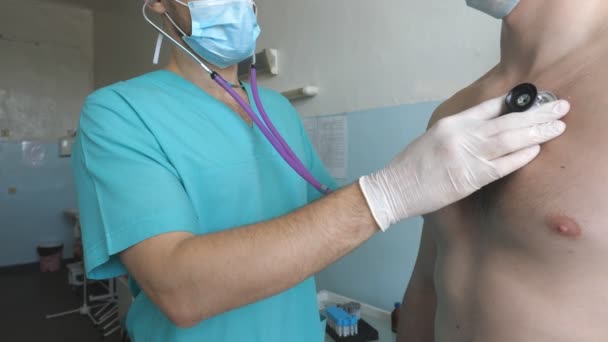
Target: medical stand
108	312
107	318
85	308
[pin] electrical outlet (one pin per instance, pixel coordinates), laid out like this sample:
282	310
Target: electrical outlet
12	191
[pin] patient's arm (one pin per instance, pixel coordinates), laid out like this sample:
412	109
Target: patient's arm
417	316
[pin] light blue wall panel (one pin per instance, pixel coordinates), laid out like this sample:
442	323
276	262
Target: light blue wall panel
34	213
378	272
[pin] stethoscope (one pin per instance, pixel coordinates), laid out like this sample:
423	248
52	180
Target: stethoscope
525	96
266	127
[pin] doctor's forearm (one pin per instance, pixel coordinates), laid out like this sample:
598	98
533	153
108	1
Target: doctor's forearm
204	276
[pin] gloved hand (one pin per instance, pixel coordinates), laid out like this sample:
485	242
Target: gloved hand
457	156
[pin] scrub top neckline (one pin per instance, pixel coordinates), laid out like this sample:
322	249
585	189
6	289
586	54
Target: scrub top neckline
189	85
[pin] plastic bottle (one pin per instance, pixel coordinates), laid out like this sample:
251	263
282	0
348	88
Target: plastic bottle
395	317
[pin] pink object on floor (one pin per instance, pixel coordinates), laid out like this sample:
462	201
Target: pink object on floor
50	257
51	263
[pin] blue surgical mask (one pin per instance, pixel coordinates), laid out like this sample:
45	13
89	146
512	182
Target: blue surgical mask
224	32
496	8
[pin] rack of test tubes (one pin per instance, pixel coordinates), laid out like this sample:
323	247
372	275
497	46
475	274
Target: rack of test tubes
352	308
343	323
354	327
344	319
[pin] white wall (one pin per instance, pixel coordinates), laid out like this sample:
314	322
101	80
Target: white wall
46	67
370	54
362	54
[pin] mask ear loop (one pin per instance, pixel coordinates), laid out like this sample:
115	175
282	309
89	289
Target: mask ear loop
255	11
159	45
159	41
177	43
166	35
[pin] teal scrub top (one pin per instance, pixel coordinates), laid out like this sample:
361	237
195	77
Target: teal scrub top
156	154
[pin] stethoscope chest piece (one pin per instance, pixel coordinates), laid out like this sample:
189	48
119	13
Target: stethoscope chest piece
525	96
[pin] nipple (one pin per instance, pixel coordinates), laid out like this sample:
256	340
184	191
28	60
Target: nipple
564	226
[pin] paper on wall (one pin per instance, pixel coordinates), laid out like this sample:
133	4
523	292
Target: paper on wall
329	135
33	153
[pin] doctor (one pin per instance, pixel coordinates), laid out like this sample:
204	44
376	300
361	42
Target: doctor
220	237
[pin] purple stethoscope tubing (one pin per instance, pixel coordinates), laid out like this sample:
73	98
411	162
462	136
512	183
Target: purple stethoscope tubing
268	129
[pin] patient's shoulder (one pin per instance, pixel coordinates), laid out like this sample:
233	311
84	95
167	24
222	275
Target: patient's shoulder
455	104
481	90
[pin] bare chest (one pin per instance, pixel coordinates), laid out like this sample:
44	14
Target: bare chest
557	204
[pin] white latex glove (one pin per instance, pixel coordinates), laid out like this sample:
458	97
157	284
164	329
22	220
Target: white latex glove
457	156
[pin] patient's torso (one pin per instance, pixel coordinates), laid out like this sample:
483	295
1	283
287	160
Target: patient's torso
525	259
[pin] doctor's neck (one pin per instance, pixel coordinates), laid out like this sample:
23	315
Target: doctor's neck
183	65
538	34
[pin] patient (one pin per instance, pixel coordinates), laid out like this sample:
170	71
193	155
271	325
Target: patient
525	259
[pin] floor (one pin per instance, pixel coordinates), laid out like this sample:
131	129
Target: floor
27	296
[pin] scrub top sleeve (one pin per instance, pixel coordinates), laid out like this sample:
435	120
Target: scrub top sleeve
127	189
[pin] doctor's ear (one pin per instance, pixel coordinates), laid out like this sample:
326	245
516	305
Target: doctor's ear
157	6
